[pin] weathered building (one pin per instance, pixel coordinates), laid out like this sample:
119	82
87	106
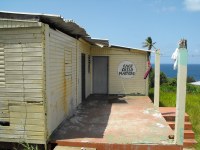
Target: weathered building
48	66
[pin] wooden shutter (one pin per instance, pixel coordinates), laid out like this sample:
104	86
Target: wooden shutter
68	63
2	66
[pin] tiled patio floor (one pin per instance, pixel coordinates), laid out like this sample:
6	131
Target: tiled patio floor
114	120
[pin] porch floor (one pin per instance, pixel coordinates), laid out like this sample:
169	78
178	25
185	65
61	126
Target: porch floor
114	120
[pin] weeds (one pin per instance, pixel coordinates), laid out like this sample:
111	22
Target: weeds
27	146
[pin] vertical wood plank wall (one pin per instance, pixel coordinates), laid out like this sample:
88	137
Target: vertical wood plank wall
117	85
21	91
64	71
27	61
84	47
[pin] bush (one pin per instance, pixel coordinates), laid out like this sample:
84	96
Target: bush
163	78
151	78
190	79
167	88
193	89
172	81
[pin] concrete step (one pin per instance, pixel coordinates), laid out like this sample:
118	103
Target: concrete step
171	117
189	134
169	113
72	148
187	125
123	146
189	142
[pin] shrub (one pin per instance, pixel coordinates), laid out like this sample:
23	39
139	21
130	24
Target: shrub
172	81
190	79
193	89
163	78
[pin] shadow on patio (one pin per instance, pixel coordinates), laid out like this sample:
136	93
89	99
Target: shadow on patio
89	121
107	120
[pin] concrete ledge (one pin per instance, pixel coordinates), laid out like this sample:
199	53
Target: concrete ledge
72	148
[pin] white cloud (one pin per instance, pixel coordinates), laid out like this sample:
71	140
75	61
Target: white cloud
161	6
192	5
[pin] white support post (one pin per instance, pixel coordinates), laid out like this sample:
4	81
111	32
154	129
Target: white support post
181	95
157	79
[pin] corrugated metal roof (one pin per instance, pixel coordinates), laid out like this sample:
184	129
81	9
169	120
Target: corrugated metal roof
66	26
130	48
54	21
97	42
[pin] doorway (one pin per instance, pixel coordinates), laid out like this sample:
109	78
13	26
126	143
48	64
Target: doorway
100	74
83	76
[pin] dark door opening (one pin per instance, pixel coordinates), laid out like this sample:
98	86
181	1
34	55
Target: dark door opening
100	75
83	76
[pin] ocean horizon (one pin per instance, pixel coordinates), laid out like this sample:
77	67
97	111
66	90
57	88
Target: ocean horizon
193	70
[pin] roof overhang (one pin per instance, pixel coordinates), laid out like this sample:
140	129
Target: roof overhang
97	42
66	26
129	48
55	21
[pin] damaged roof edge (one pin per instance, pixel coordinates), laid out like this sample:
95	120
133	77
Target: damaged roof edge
55	21
105	43
66	26
25	13
98	42
129	48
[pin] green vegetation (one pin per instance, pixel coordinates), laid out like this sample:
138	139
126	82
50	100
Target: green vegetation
27	146
168	99
148	43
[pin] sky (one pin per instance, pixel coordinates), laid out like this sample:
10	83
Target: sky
128	22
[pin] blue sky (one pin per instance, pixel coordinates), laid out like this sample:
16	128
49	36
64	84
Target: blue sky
127	22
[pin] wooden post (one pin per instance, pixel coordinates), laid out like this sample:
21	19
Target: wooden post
157	79
181	92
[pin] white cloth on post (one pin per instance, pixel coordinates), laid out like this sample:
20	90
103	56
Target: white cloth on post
175	58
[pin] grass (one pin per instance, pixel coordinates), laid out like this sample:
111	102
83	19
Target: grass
168	99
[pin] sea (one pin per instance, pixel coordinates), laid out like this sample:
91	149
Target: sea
193	70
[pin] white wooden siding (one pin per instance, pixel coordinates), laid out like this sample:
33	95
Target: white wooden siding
83	47
8	23
61	84
21	97
117	85
63	79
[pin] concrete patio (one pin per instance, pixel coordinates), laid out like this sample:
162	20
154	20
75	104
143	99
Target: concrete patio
112	122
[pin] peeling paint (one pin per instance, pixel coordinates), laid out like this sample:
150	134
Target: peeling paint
157	115
160	125
85	141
